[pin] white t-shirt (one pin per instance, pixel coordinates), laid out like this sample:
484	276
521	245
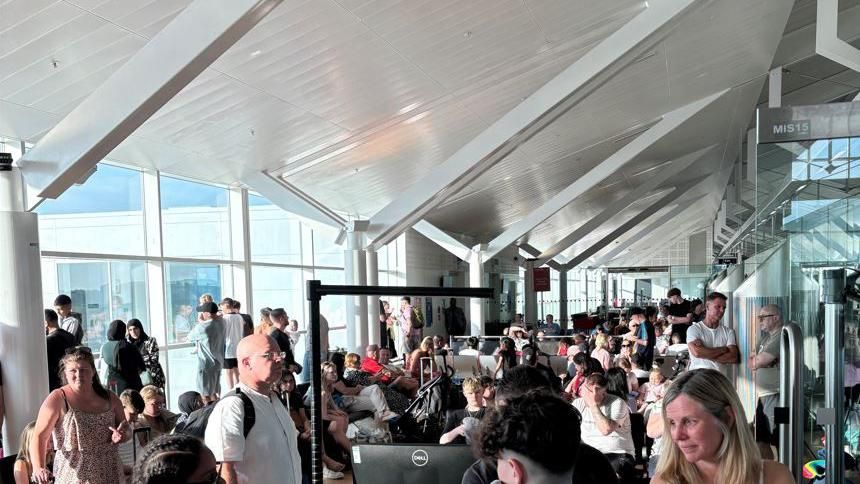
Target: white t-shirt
270	453
470	352
619	441
234	328
711	338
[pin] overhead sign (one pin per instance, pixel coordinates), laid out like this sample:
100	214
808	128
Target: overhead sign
727	260
806	123
541	279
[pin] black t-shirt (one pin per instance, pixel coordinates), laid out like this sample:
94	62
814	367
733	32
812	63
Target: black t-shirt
591	467
57	342
553	379
284	344
680	310
455	417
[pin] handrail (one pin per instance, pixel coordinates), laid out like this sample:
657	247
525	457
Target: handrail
790	411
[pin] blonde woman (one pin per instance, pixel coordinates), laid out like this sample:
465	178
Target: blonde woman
601	351
265	325
706	438
23	469
424	350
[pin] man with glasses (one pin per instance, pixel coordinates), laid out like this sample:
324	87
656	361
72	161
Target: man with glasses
765	364
642	336
269	452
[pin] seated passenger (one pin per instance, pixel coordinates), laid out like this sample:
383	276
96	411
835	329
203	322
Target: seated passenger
176	458
355	399
563	345
471	348
457	427
375	364
528	447
706	437
413	362
591	467
606	424
653	390
354	376
155	416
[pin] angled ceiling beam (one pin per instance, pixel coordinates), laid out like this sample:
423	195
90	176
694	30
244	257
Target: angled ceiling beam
827	41
645	231
799	44
560	94
633	222
443	239
639	251
139	88
614	208
291	199
534	252
602	171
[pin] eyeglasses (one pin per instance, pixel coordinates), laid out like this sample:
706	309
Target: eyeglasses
765	316
274	356
625	346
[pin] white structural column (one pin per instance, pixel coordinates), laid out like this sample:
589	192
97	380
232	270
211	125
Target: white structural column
373	329
550	101
602	171
677	166
22	335
529	294
190	43
562	315
476	279
356	306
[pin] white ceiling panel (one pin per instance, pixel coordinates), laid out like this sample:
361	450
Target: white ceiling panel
353	100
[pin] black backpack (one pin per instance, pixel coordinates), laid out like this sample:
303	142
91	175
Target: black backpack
197	420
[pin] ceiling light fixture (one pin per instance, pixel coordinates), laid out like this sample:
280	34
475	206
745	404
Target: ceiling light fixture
407	108
256	53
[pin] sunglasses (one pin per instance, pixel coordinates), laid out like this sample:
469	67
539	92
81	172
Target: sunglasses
79	349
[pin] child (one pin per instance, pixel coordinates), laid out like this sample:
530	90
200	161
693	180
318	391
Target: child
23	468
653	390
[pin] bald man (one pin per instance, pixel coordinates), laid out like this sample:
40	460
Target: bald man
765	364
269	453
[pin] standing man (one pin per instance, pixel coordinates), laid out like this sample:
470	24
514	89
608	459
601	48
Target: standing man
711	344
643	336
411	336
680	313
233	333
63	307
268	454
58	341
765	364
208	336
280	320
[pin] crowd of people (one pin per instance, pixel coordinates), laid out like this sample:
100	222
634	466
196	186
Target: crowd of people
106	420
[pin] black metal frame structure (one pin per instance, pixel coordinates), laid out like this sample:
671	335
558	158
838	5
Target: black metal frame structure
316	290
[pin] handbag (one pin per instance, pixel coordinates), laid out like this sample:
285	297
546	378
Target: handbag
146	378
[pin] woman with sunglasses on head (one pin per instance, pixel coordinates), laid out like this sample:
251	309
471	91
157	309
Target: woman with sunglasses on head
86	422
160	420
176	458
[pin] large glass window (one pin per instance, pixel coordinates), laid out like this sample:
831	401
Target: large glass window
279	287
275	233
334	307
103	215
185	284
195	219
326	252
181	373
101	292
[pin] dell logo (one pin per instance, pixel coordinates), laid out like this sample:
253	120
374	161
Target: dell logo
420	458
